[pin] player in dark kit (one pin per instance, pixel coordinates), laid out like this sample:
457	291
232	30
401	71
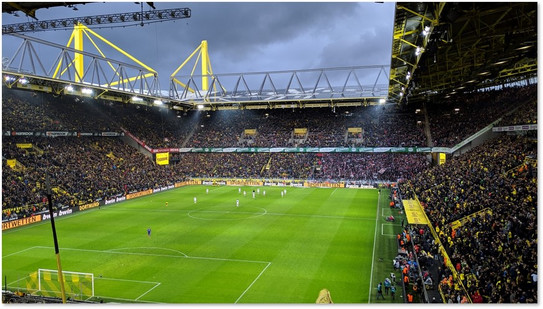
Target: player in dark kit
149	232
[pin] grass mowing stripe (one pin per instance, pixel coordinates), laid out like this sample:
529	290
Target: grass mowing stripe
383	229
247	289
309	239
127	280
24	278
154	254
40	223
245	212
156	284
148	291
124	299
167	249
374	242
21	251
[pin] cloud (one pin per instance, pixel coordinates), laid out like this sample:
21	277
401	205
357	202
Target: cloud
247	36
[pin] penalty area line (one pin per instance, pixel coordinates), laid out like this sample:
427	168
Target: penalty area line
158	283
250	285
14	253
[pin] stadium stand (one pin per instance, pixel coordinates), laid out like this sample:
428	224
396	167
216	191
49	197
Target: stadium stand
382	126
83	170
470	113
494	253
524	114
494	256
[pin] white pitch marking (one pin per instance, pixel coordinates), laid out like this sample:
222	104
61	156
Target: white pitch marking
126	299
23	278
158	283
374	241
5	256
240	212
148	291
127	280
162	255
382	229
318	216
254	214
119	249
250	285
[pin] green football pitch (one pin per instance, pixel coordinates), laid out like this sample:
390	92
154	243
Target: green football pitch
270	249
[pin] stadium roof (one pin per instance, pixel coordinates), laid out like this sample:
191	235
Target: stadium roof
469	45
443	49
30	8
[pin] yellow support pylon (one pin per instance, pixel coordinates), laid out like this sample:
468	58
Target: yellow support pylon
205	63
78	58
77	36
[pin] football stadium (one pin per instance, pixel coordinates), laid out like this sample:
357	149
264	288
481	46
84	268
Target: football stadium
413	181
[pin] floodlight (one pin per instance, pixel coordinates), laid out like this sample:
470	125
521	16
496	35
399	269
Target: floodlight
523	47
426	31
499	62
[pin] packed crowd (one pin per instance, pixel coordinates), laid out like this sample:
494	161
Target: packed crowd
367	168
524	114
495	254
159	127
31	111
221	165
453	121
370	167
81	170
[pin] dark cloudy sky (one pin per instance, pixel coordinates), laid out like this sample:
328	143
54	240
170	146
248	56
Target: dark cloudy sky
242	36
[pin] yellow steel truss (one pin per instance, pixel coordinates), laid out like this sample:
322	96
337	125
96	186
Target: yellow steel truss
205	67
80	31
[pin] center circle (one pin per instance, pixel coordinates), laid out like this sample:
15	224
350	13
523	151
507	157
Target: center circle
223	212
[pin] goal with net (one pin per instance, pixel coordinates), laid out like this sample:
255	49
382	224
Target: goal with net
77	285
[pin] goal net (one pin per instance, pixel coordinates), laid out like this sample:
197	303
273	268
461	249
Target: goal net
77	285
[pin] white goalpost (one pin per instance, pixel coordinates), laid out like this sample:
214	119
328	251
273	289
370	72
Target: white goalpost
78	285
